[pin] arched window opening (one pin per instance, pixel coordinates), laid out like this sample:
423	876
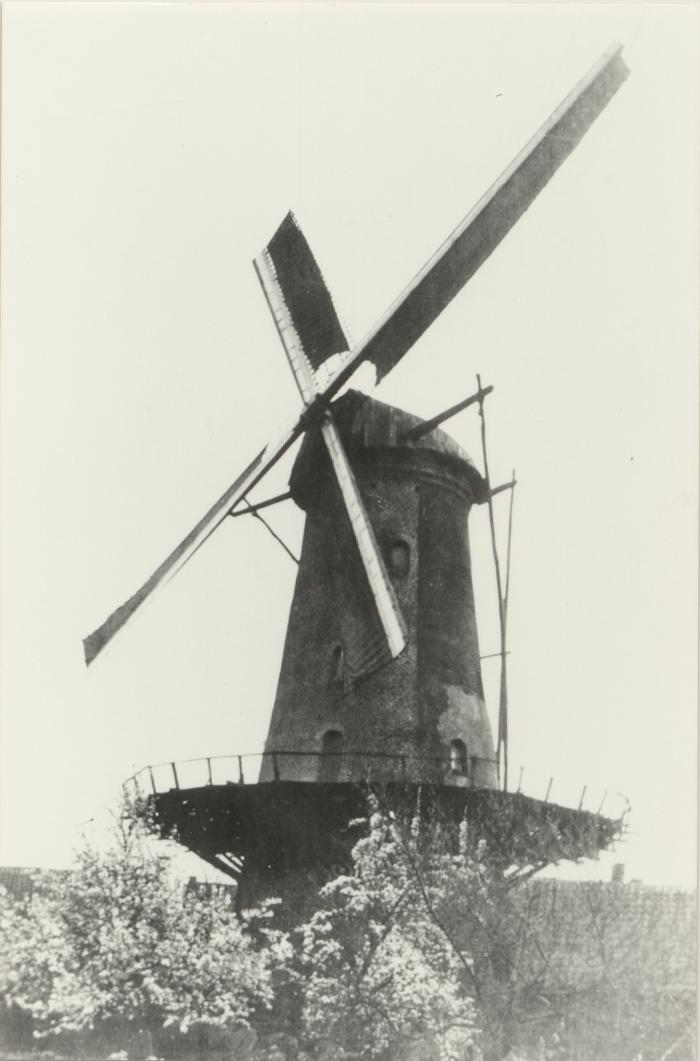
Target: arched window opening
337	669
399	557
458	757
331	758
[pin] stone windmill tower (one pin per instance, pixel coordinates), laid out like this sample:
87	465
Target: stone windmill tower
423	717
380	678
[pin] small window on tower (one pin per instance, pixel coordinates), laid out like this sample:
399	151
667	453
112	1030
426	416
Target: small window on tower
337	674
399	557
458	757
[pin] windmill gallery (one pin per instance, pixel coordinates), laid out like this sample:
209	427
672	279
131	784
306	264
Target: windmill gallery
380	681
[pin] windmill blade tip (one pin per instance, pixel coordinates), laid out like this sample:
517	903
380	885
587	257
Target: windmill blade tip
615	54
94	643
90	649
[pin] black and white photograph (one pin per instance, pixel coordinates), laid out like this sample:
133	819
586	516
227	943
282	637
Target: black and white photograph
349	536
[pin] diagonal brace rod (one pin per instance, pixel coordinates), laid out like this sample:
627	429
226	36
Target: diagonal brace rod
423	429
252	509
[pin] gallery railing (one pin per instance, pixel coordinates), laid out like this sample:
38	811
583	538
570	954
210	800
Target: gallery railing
308	766
360	767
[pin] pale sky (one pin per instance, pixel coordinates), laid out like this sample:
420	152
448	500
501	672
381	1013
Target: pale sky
149	152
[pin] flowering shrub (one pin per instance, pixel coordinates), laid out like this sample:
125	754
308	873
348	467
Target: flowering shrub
120	938
381	976
430	949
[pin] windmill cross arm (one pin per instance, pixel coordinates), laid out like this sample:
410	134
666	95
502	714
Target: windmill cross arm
455	261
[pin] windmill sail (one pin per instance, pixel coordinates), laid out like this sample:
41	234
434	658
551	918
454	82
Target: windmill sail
306	296
376	576
94	643
365	648
471	243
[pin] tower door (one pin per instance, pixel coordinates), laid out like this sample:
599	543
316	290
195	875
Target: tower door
331	757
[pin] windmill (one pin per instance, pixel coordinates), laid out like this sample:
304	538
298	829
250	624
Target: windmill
358	456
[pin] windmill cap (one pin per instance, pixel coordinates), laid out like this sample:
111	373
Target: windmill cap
367	425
